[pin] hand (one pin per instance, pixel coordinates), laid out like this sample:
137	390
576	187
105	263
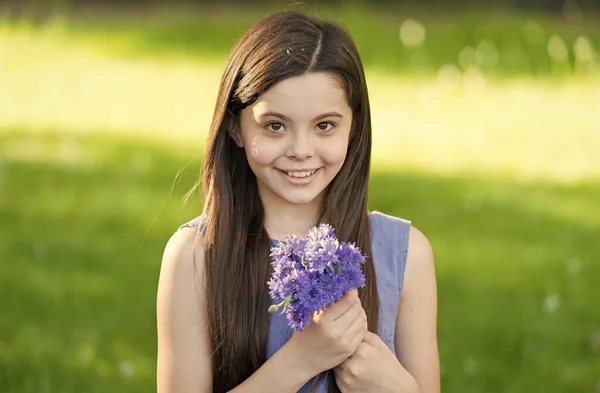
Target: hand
373	368
332	336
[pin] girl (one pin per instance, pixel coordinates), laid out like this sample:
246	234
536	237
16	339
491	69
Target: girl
289	147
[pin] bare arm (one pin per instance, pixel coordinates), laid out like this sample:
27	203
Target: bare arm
183	364
416	332
281	373
183	344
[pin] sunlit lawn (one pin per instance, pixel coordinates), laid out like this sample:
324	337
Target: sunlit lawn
101	133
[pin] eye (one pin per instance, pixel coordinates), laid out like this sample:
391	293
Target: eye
325	126
274	127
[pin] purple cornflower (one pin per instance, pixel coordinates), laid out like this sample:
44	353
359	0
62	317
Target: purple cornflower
321	246
313	272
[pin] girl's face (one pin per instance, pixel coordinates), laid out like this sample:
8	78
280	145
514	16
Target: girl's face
296	137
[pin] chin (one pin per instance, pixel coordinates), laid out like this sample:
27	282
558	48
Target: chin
300	201
299	198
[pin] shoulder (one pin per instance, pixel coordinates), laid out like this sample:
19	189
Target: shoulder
181	270
382	219
181	280
184	249
416	261
419	247
420	271
390	228
418	244
197	223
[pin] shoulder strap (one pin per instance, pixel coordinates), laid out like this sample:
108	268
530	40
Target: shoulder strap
198	223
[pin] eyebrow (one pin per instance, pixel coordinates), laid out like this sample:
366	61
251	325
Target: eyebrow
285	118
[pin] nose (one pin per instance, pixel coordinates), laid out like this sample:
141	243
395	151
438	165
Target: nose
301	146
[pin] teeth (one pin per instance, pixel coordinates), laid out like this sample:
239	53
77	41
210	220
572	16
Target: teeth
300	174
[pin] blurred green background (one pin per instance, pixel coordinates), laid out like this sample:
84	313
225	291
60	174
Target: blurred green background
486	135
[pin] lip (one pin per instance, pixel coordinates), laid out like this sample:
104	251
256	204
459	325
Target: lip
299	170
299	181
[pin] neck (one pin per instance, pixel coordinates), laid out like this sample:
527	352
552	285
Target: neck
283	218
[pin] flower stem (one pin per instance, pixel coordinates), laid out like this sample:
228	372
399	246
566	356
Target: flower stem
286	302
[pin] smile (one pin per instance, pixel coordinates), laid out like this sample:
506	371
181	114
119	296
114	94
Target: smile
300	178
300	174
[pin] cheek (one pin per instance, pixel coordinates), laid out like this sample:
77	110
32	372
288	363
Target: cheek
260	153
335	152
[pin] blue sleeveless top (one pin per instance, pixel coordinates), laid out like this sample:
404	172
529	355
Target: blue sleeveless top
389	248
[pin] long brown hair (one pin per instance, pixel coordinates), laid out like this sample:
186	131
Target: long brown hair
237	246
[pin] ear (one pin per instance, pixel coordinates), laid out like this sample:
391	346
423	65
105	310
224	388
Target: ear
232	124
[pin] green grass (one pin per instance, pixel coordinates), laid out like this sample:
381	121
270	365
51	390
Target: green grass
81	240
102	124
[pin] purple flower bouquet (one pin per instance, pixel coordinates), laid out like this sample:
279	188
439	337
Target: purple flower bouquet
312	273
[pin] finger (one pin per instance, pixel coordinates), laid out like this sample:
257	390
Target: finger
342	305
348	298
352	292
338	308
338	382
358	325
357	332
348	315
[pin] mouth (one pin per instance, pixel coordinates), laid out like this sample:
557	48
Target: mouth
300	174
